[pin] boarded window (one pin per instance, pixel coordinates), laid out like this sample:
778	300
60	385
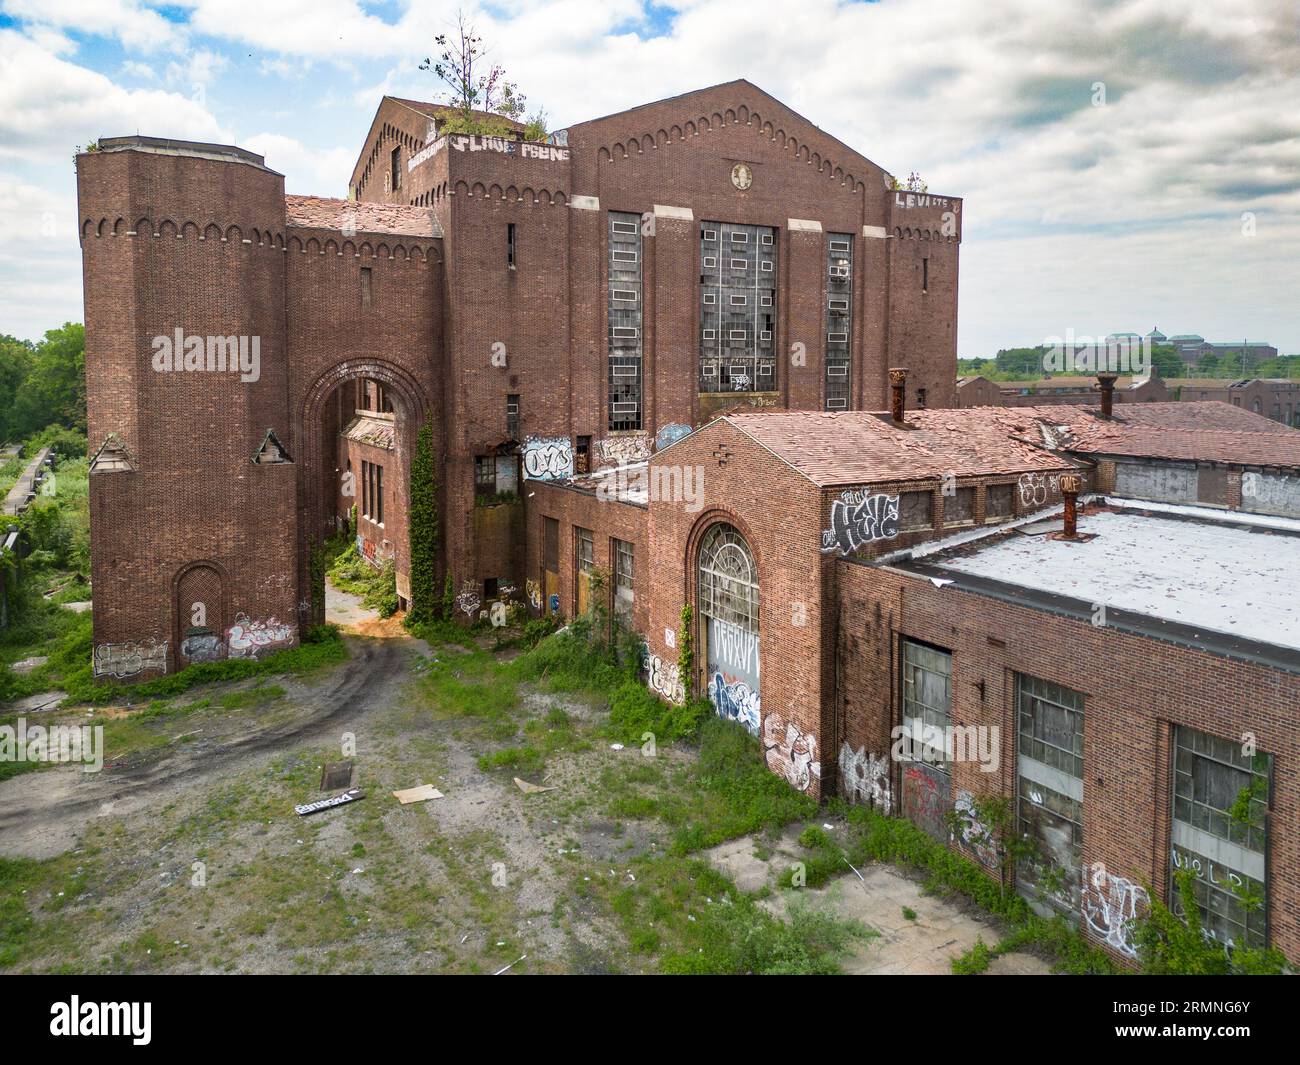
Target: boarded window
960	506
998	501
915	511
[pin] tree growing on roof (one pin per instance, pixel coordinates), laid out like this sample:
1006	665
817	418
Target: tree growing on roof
481	98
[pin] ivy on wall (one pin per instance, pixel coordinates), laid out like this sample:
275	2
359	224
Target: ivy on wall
424	531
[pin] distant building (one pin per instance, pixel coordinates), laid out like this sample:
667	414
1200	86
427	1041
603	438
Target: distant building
1192	347
1272	397
981	392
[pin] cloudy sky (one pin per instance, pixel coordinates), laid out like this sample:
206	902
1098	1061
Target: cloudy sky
1125	164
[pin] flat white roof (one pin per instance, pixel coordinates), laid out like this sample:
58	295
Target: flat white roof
1206	574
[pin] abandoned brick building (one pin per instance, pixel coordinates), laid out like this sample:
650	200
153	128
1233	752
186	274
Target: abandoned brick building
859	579
544	308
669	345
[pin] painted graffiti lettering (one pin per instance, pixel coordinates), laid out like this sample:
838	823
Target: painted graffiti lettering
1037	488
204	646
468	601
858	519
664	678
548	458
790	752
129	659
623	450
252	639
1111	905
735	701
864	778
733	648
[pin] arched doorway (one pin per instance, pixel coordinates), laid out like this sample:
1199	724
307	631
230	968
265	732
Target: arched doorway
200	613
729	624
357	434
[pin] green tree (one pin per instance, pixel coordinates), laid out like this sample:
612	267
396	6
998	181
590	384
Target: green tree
482	99
424	530
1167	362
52	388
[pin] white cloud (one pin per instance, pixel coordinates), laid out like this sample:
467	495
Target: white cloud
48	106
307	171
131	22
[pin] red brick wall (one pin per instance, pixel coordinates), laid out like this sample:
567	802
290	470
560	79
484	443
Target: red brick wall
1135	689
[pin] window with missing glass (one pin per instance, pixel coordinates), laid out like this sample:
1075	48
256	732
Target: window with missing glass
1049	804
839	318
1221	800
625	321
485	475
624	573
586	550
737	308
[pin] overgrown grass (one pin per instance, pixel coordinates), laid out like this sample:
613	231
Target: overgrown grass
377	587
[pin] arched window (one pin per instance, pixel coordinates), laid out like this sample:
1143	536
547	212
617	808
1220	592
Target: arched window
728	610
728	578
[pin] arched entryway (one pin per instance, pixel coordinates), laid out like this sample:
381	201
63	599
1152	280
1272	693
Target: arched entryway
200	613
356	435
729	624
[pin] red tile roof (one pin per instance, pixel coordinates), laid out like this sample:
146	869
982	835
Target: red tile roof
856	447
853	447
317	212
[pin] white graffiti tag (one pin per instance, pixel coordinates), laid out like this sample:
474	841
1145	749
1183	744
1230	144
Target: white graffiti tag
864	777
128	659
468	602
1111	905
1037	488
858	519
624	450
665	679
790	752
249	639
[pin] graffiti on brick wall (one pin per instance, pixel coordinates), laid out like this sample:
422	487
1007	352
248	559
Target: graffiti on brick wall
203	646
1037	488
864	777
790	752
623	450
534	595
1111	904
468	601
664	678
548	458
252	639
923	804
736	701
366	549
858	519
670	434
123	660
975	835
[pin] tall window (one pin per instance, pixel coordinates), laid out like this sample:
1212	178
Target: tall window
737	308
623	580
927	723
728	578
839	318
729	616
1050	775
1220	834
625	321
395	167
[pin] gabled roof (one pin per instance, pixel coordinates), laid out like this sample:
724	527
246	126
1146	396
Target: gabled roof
859	447
317	212
854	447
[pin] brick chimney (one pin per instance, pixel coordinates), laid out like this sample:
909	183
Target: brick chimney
1070	485
897	391
1106	382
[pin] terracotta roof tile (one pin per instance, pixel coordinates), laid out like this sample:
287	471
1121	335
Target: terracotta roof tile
317	212
856	447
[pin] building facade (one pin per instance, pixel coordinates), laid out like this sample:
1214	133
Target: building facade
545	309
896	609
